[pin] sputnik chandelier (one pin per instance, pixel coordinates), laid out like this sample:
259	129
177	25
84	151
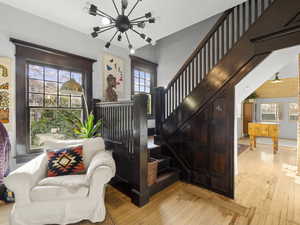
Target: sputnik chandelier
122	23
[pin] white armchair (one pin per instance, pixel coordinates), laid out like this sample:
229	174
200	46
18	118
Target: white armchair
61	200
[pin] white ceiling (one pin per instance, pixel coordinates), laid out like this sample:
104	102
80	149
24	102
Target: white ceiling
172	15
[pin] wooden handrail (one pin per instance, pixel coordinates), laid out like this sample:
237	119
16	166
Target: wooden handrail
221	39
201	45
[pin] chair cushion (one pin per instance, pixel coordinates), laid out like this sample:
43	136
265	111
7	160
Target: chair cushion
69	181
53	193
90	146
65	161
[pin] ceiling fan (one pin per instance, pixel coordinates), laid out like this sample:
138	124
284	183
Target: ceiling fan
121	22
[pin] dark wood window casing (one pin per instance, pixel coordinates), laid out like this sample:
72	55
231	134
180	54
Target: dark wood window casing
27	53
142	65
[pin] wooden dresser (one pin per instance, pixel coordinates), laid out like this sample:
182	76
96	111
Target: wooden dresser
264	130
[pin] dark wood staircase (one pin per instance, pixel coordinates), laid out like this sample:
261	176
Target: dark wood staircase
195	112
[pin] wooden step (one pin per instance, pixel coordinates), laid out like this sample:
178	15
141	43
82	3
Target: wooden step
164	162
164	179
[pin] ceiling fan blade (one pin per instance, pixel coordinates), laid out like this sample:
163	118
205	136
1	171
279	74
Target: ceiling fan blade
124	4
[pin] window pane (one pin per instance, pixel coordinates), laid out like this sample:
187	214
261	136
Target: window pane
47	124
136	73
36	99
148	83
142	88
136	88
268	117
142	74
76	102
64	76
147	89
148	76
136	80
77	77
64	101
268	108
269	112
142	82
293	111
50	100
36	86
51	87
35	72
50	74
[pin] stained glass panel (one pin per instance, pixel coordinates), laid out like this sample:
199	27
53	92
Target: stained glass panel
36	99
50	100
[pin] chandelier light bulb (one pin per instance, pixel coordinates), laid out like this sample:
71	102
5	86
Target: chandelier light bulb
132	51
105	21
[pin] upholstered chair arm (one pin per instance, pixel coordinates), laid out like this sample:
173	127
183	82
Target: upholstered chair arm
25	177
100	171
102	158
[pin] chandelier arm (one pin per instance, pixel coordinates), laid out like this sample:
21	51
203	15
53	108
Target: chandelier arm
116	8
139	21
138	18
138	33
113	36
127	38
108	26
103	14
137	2
105	30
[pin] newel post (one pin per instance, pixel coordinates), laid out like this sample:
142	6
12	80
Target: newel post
159	107
140	133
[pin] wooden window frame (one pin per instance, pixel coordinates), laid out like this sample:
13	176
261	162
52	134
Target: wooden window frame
137	62
28	52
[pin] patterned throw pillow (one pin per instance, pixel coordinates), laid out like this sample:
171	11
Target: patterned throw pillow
65	161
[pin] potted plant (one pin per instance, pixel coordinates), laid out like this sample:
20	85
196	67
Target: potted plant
87	128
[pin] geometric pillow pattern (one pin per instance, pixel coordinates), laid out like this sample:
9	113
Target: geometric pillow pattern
65	161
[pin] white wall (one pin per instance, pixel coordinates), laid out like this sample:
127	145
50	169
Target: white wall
24	26
277	61
171	52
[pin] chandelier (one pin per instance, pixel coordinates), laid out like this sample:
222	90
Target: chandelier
121	22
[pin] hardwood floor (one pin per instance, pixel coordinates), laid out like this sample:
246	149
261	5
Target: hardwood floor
267	193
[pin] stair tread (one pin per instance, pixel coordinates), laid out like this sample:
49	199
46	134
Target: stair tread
164	180
165	175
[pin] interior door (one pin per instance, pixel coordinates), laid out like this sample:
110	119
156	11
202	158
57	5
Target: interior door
247	116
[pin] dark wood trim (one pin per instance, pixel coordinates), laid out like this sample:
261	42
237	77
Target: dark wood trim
25	54
143	63
49	50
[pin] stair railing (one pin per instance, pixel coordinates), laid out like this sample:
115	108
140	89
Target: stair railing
125	130
218	42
